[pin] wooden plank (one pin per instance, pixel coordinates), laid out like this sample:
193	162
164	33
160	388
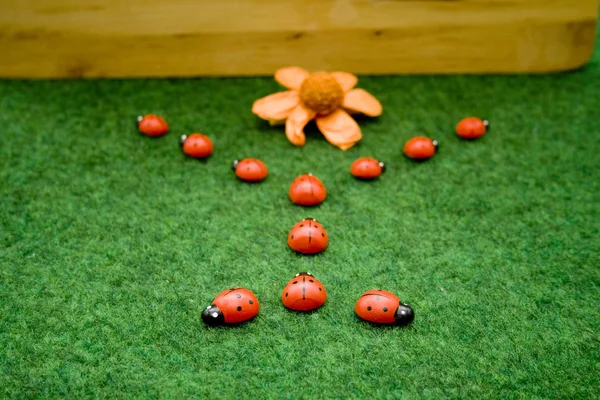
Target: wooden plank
152	38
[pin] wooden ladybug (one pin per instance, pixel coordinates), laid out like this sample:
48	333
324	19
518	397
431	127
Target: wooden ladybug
420	148
152	125
196	145
307	190
308	236
367	168
250	169
303	293
231	306
382	307
471	128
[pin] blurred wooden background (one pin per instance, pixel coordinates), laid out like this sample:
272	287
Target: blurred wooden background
157	38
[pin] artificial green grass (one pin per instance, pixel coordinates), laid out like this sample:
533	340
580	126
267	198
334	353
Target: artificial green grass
112	243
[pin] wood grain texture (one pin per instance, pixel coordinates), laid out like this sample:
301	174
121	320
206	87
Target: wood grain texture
152	38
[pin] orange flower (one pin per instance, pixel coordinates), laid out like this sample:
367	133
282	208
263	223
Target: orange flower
326	97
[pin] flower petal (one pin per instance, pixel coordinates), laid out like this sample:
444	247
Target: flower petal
276	106
340	129
359	100
291	77
346	80
294	126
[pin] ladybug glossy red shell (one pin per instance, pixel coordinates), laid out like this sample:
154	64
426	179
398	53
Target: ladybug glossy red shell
383	307
304	293
420	148
308	236
231	306
250	169
471	128
307	190
152	125
367	168
197	145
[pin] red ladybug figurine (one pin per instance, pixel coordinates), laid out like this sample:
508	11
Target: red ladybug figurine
308	236
303	293
367	168
196	145
307	190
382	307
231	306
471	128
250	169
152	125
420	148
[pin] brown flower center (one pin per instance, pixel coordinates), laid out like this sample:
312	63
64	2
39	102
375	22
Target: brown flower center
321	93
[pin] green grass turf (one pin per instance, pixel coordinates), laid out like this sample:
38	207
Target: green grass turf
112	243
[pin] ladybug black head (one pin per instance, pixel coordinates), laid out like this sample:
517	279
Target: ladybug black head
486	123
309	219
436	145
182	139
213	316
404	314
138	120
382	165
235	164
304	274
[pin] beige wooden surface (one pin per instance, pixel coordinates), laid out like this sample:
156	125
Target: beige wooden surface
144	38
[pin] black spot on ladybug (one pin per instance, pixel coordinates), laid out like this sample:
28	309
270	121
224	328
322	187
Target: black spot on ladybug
317	226
292	236
322	234
295	282
286	295
301	225
239	296
239	308
310	280
320	290
384	309
250	302
369	308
